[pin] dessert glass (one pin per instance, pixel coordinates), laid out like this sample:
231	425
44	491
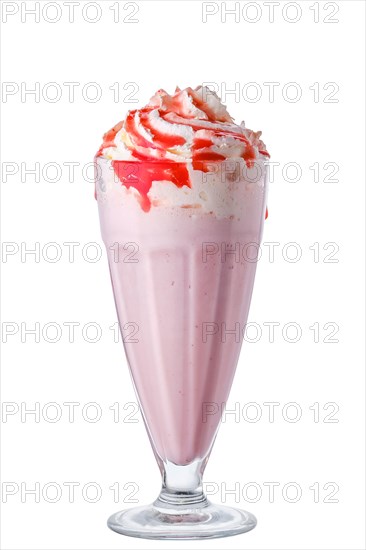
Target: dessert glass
182	274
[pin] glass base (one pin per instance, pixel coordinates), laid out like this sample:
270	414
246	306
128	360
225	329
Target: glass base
209	521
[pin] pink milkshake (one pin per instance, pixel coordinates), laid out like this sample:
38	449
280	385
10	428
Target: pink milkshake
182	198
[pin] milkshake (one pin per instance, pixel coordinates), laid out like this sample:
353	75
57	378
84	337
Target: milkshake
181	192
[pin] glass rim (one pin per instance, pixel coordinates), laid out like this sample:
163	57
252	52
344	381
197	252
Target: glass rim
189	161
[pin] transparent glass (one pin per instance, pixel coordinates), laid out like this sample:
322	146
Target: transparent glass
182	269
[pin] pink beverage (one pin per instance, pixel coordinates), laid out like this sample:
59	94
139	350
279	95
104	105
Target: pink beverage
182	198
182	279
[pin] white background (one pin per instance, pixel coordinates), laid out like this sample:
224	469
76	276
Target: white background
169	46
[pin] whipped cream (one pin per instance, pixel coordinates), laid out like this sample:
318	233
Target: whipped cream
164	151
190	125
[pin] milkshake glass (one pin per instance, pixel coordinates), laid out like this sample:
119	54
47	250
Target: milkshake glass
182	261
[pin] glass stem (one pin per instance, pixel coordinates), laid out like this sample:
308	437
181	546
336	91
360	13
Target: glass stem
182	487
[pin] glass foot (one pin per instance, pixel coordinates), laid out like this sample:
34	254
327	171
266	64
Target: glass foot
209	521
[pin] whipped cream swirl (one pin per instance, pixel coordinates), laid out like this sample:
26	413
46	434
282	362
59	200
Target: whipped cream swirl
190	125
175	136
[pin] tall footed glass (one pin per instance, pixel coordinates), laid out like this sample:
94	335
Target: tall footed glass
182	264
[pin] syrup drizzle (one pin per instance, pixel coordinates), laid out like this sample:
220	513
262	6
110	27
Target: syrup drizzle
150	144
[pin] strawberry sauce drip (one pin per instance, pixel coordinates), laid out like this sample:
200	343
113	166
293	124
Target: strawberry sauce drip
197	102
136	137
249	156
200	143
108	138
161	139
140	175
153	133
201	159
